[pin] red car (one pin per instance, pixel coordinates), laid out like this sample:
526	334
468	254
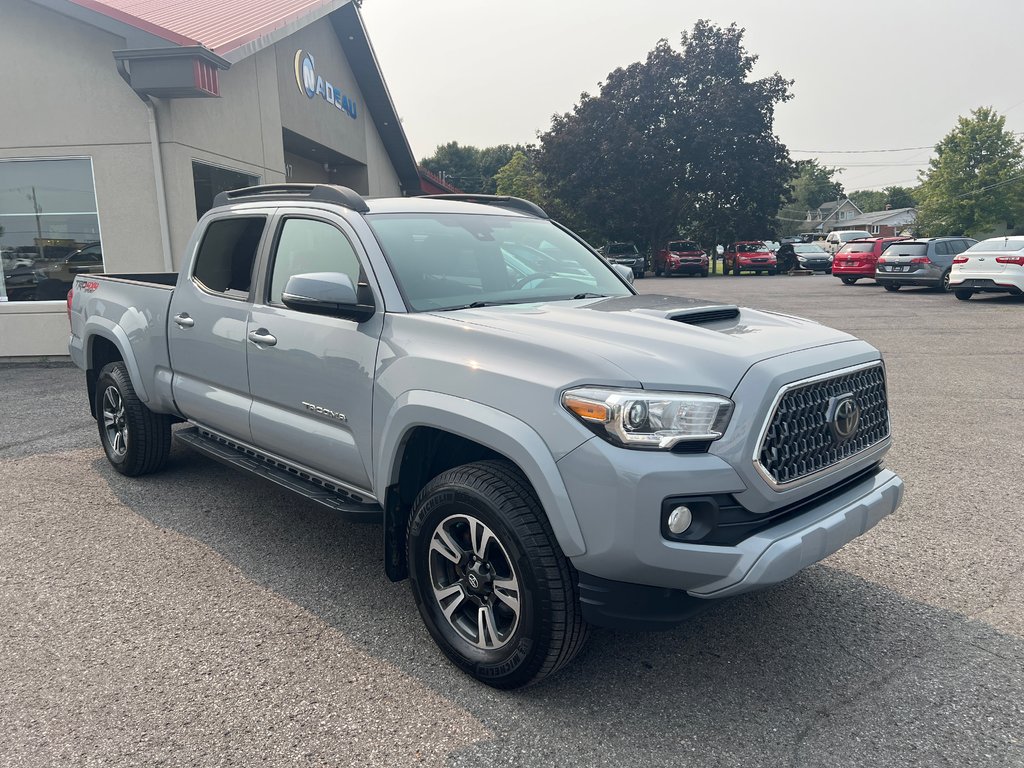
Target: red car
858	258
749	256
681	257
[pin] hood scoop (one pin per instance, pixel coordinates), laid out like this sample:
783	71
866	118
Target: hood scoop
678	308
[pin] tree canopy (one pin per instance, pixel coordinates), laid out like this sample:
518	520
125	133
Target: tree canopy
975	181
810	186
470	168
683	138
877	199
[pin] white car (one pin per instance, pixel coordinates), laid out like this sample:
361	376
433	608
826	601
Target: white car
995	265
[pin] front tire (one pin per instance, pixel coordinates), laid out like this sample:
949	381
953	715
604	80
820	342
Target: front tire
496	593
736	269
136	440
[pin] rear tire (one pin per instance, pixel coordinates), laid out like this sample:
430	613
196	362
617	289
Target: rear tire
891	286
136	440
494	590
848	280
963	294
944	283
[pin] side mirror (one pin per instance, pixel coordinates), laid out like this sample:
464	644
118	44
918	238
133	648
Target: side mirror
325	293
626	273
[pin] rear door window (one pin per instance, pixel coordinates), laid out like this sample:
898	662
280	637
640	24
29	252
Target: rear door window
227	254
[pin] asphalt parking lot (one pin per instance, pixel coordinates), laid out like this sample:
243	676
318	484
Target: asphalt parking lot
198	617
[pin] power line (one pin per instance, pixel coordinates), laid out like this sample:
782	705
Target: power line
856	151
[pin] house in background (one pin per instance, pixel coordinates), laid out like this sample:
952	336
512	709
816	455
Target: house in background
833	215
887	223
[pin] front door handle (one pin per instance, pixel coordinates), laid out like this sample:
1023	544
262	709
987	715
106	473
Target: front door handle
262	337
183	320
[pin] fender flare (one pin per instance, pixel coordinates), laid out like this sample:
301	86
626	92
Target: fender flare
103	328
497	430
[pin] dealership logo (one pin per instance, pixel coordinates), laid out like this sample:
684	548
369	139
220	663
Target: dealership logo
313	85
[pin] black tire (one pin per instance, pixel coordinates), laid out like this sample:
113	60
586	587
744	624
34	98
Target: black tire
638	275
964	294
772	272
891	286
736	269
943	283
657	272
704	273
849	280
136	440
548	630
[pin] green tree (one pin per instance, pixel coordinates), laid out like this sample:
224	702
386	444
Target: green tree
900	197
519	177
811	185
869	199
683	138
469	168
975	181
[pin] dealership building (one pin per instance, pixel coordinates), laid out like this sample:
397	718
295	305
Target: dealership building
123	119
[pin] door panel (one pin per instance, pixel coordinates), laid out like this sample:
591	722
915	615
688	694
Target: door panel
312	390
207	326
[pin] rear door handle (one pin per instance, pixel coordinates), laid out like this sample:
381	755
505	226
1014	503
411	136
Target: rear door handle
262	337
183	320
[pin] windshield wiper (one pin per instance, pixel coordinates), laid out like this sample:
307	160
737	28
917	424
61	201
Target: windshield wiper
591	296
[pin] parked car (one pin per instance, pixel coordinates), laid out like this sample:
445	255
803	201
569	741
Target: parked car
86	260
926	261
681	257
627	255
810	237
834	241
858	258
20	283
995	265
813	257
749	256
542	455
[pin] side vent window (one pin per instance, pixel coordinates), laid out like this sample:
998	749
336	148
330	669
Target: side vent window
227	254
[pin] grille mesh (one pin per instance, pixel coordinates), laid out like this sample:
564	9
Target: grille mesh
799	441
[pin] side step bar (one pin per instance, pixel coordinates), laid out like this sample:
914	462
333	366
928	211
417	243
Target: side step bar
292	478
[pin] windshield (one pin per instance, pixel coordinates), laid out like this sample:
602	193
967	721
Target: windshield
851	235
751	247
683	245
455	260
620	249
858	248
907	249
997	245
810	250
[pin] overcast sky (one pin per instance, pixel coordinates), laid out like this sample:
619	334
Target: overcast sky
868	74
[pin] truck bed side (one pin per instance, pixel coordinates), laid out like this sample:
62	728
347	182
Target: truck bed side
124	316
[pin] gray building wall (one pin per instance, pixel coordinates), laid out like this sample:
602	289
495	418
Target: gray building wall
63	97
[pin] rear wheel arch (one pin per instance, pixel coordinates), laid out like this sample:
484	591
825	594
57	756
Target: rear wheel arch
100	352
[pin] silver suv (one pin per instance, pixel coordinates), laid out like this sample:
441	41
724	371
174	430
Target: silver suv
925	261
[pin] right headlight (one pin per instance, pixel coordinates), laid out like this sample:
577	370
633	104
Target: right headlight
637	418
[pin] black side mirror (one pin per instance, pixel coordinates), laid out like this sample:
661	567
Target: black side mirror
326	293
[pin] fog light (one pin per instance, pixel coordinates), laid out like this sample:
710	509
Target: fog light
679	519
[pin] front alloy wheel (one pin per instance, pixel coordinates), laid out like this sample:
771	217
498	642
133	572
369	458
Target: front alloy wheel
494	590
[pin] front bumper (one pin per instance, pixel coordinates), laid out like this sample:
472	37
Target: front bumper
617	495
685	268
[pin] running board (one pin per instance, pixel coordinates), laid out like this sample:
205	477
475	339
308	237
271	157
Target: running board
292	478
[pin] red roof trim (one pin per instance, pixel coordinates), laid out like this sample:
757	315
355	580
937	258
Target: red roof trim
135	21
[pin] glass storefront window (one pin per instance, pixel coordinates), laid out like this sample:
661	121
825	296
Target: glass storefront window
49	227
210	180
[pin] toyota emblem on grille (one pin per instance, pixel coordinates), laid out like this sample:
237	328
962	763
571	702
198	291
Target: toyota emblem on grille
843	417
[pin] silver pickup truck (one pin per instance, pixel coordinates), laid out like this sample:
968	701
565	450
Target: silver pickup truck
545	448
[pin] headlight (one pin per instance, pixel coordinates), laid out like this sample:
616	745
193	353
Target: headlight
636	418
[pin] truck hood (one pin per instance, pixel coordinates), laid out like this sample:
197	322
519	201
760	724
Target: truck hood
660	342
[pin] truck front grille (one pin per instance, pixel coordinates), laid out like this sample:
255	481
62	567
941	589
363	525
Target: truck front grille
804	434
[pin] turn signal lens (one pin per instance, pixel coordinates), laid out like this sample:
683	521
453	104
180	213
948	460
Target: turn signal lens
588	410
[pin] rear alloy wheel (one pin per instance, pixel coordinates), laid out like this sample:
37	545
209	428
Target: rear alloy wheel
944	285
964	294
891	286
492	586
136	440
848	280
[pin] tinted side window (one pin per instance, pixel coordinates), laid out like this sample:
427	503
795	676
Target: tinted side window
308	245
226	256
942	249
959	246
